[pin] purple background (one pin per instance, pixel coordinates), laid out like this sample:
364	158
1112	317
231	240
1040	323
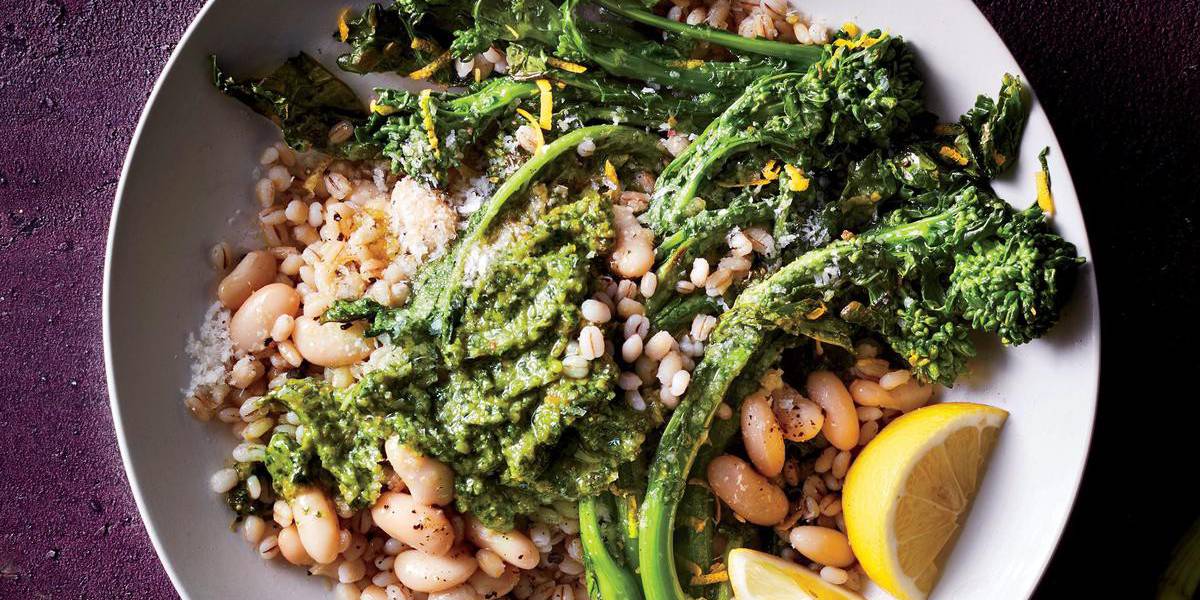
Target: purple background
1121	84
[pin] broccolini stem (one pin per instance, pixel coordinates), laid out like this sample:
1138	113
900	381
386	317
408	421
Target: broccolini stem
627	527
734	343
694	534
802	55
607	579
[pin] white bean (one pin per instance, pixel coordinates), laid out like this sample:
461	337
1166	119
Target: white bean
373	592
424	573
494	587
254	271
430	481
749	494
514	547
423	527
291	548
462	592
316	521
328	344
868	393
910	395
800	418
761	435
490	563
250	327
822	544
841	420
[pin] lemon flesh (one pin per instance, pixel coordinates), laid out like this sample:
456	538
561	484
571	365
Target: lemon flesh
758	576
910	488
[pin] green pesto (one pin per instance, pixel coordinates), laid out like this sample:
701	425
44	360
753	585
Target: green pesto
476	375
239	499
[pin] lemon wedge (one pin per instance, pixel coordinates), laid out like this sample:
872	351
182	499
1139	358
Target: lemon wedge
758	576
907	493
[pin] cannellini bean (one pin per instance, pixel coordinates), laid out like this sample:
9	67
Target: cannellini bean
910	395
291	548
822	544
761	435
430	481
462	592
799	418
514	547
424	573
490	563
256	270
868	393
316	522
749	494
373	592
841	420
423	527
494	587
633	253
328	345
251	325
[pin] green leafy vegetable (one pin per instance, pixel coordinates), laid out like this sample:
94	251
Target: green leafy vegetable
305	100
900	263
988	136
864	95
478	375
607	578
387	39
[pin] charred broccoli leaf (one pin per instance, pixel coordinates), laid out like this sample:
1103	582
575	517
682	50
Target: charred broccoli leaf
856	95
987	137
305	101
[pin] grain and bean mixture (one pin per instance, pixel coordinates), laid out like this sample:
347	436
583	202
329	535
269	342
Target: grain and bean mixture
605	301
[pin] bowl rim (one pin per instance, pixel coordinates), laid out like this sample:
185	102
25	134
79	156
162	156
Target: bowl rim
114	402
1062	178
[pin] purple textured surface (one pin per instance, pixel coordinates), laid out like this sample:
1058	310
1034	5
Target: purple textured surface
1121	84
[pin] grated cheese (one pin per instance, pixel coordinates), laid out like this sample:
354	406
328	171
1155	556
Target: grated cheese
209	349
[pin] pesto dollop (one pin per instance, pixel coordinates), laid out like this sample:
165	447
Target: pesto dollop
476	379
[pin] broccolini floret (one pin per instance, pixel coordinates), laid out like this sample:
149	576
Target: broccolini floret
896	279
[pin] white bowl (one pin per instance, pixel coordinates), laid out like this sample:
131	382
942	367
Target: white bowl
188	182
